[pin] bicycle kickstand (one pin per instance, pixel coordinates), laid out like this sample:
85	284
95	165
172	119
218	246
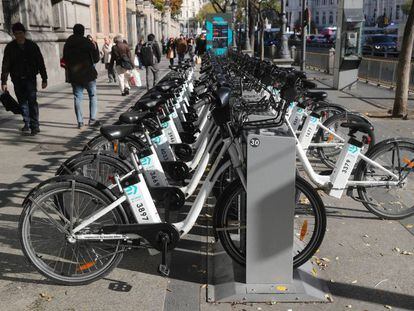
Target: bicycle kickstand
163	267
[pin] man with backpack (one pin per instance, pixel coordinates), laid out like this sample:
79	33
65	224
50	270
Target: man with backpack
151	56
80	56
121	55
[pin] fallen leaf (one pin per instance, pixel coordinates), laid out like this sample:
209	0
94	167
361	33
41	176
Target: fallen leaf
349	306
204	286
354	281
336	258
314	273
406	253
169	290
332	281
409	226
388	307
326	259
328	297
396	249
366	236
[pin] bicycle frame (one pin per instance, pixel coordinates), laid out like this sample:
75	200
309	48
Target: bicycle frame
228	145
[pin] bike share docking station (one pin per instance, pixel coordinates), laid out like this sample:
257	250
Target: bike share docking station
269	274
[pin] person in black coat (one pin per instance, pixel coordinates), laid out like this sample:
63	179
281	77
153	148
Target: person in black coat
80	55
23	61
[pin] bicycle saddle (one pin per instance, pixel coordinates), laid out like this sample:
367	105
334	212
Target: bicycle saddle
149	104
112	132
133	117
309	84
316	95
167	86
358	127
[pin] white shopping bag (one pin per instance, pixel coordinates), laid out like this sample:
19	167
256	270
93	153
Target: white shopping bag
137	77
136	61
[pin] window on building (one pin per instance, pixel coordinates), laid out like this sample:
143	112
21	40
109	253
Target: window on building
324	2
317	18
287	2
331	18
332	2
98	16
111	26
397	12
323	18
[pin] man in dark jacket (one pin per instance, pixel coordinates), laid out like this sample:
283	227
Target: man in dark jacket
23	61
121	56
156	52
80	55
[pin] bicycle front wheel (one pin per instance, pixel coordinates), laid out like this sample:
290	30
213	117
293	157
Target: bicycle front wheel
48	215
389	202
309	222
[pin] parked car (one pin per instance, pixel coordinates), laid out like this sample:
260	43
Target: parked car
379	44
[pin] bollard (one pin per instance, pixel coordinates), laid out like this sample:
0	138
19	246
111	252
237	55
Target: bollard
331	60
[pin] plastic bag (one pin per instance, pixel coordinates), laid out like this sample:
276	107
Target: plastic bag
137	77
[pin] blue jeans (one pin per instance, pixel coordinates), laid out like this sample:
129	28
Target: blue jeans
26	93
93	100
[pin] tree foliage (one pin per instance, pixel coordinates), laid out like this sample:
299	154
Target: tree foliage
175	7
207	8
159	5
406	6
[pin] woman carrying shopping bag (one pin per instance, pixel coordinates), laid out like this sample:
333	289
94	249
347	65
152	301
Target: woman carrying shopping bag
121	55
171	51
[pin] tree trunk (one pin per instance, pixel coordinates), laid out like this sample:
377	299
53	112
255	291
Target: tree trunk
404	68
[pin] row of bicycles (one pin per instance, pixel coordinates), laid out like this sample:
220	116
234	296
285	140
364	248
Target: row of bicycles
183	142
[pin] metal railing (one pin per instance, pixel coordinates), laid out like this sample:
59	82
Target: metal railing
376	70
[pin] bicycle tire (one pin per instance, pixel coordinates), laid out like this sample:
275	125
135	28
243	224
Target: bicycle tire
79	163
222	211
49	189
364	169
329	158
327	110
118	148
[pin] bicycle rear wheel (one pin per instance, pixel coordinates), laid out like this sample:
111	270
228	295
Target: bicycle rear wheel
116	147
95	165
392	202
45	224
309	222
329	155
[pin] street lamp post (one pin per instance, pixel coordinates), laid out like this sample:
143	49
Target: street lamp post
247	46
233	6
284	48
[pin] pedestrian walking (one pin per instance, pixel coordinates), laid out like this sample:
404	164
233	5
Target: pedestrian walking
181	46
201	45
80	56
138	52
171	53
191	49
151	56
23	60
121	59
106	57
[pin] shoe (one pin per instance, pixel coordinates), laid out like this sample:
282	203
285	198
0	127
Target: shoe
80	125
94	123
35	131
25	128
126	91
124	94
110	81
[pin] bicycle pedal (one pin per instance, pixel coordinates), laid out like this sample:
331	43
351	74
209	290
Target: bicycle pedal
163	270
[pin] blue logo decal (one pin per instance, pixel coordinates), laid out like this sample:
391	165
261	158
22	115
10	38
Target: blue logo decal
314	120
156	140
353	149
145	161
133	191
300	110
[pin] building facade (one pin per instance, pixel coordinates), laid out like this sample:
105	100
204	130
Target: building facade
187	18
324	12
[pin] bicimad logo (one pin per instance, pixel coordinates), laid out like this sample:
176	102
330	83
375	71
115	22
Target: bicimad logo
352	149
157	139
133	191
314	120
164	125
145	161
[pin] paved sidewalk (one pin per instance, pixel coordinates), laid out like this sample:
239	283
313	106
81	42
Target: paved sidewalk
25	161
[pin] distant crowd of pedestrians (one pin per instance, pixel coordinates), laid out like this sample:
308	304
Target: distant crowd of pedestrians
23	61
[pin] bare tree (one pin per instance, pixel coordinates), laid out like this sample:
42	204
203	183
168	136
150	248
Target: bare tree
404	68
220	5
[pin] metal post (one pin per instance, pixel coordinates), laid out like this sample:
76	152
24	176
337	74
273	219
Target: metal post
284	47
247	46
233	11
303	52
